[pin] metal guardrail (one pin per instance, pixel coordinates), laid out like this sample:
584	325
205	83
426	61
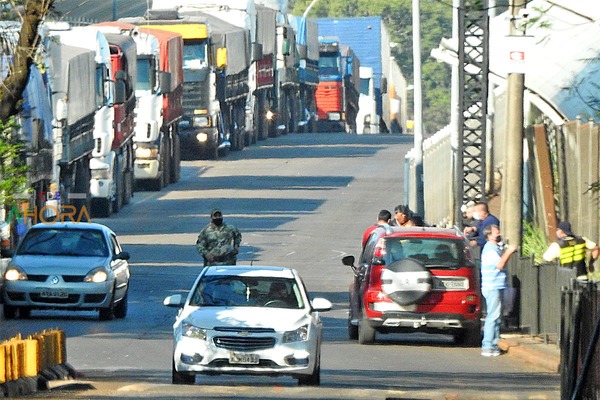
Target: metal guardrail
23	358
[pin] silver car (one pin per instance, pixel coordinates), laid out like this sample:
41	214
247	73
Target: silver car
247	320
67	266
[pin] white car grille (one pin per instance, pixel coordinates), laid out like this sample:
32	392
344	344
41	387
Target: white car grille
244	343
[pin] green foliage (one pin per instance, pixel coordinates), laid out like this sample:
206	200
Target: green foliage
13	170
436	23
534	242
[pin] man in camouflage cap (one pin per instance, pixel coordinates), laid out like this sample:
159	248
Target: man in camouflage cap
218	243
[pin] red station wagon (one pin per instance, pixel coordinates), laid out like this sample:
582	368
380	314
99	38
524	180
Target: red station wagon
415	279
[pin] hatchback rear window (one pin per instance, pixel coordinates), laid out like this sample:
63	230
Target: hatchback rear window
430	251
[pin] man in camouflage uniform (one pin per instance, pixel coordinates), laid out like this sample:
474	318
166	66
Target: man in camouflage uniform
218	243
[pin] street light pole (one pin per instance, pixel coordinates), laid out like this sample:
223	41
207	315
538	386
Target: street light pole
418	109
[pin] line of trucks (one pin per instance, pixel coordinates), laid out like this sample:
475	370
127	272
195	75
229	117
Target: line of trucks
114	106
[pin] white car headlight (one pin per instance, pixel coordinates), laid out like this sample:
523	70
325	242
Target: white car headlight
297	335
15	274
192	331
97	275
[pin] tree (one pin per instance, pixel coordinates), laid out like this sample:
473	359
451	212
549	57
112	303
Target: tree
11	91
13	169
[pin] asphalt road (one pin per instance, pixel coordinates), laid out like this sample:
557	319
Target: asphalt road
303	201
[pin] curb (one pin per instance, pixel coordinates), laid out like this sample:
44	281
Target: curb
542	359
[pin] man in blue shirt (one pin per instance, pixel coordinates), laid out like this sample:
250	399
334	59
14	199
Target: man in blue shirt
493	283
483	218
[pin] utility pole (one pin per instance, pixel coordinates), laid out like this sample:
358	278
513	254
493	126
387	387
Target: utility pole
512	185
418	109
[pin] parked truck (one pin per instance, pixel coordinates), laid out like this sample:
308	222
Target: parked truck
339	83
260	23
159	109
103	169
113	162
71	75
307	46
369	39
367	119
286	107
215	87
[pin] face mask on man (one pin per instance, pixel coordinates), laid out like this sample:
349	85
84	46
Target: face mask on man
476	215
217	221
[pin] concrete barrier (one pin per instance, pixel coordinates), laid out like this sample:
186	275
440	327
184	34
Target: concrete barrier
27	364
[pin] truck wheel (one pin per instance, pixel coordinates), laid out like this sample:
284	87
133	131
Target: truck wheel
101	208
175	160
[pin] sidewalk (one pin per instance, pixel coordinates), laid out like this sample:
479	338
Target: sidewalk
531	349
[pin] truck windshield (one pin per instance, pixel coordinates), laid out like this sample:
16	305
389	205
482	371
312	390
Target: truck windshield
364	86
145	74
194	54
328	64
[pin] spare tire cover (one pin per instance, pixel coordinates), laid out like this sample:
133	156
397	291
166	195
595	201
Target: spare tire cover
406	281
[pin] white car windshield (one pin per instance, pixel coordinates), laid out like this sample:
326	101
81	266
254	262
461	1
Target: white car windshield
64	242
245	291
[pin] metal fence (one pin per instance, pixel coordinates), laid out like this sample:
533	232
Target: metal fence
580	353
538	290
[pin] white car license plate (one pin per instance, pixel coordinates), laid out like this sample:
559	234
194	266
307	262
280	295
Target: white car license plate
243	358
54	294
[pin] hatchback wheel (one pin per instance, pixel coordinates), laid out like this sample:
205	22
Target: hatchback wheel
108	313
469	337
180	378
366	333
120	310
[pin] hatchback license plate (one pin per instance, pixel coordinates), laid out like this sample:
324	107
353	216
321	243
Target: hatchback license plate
243	358
54	294
451	284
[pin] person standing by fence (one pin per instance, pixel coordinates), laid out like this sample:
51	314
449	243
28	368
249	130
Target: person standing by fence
571	250
493	283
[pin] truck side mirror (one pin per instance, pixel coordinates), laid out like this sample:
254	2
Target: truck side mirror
165	81
384	84
257	52
286	47
120	95
303	51
221	57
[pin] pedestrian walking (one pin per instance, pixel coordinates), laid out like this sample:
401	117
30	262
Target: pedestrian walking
218	243
493	283
571	250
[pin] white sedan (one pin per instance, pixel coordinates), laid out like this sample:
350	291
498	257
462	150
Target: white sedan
247	320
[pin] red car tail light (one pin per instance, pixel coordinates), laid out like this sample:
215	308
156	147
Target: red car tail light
374	292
